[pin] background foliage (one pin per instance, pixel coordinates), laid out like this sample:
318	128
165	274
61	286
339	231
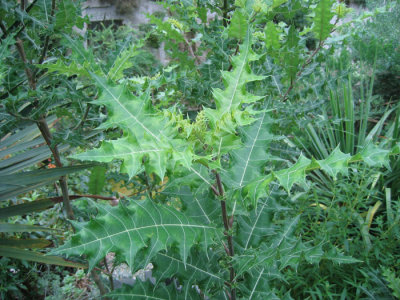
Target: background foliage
261	162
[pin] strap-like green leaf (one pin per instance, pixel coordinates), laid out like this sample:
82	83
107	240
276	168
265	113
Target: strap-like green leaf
6	227
25	243
38	257
15	184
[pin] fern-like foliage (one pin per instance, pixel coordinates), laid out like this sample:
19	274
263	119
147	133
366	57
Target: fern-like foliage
141	226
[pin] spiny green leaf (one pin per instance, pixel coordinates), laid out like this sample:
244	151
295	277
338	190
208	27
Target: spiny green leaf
147	134
256	285
238	26
323	16
257	226
271	36
201	269
247	161
335	163
334	255
295	174
131	153
143	226
97	180
373	155
66	15
229	112
69	70
38	257
123	62
146	290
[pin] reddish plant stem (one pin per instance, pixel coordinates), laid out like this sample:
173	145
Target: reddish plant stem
31	79
45	131
228	226
73	197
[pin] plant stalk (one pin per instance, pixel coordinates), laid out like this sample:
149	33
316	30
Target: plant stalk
99	283
225	11
45	131
228	227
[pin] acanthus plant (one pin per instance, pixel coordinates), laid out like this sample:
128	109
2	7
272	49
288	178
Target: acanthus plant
218	229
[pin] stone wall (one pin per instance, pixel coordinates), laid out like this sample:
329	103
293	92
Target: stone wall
100	10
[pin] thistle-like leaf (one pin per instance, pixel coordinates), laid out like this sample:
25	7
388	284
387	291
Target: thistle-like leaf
200	269
66	16
256	285
272	36
334	255
373	156
148	139
146	290
322	21
229	112
69	70
257	226
123	62
246	162
335	163
295	174
141	226
238	26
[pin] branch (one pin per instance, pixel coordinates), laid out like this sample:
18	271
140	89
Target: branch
225	11
73	197
82	121
28	72
191	50
45	131
3	28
